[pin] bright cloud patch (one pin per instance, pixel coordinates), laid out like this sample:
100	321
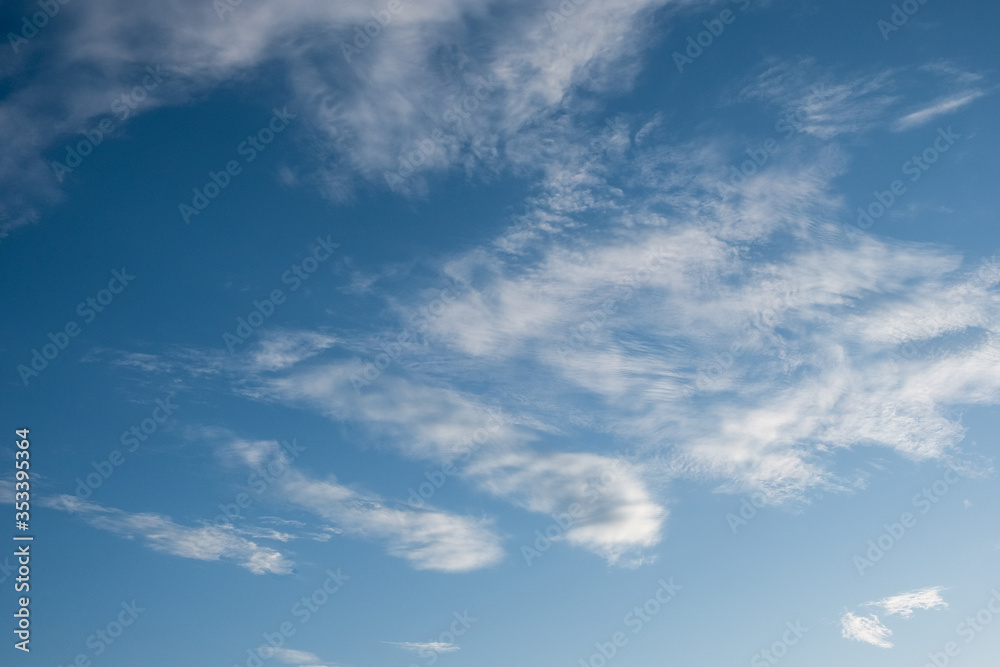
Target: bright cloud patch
866	629
906	603
603	504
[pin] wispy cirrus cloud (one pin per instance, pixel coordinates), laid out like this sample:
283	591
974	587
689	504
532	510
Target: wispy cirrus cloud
905	604
361	112
938	108
822	104
618	519
425	647
739	336
428	539
293	657
160	533
743	340
281	349
825	104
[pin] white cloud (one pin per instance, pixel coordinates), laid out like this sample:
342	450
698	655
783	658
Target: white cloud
938	108
555	297
818	103
607	506
252	453
866	629
764	339
290	656
731	358
708	325
618	518
871	630
275	350
281	349
161	533
821	105
360	111
427	538
905	604
432	423
429	647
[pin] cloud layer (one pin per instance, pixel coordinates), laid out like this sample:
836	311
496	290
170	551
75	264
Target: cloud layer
368	102
730	331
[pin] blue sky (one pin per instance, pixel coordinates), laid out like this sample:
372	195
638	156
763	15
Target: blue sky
595	333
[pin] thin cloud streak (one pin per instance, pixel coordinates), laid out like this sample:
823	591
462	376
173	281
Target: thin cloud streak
939	108
160	533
